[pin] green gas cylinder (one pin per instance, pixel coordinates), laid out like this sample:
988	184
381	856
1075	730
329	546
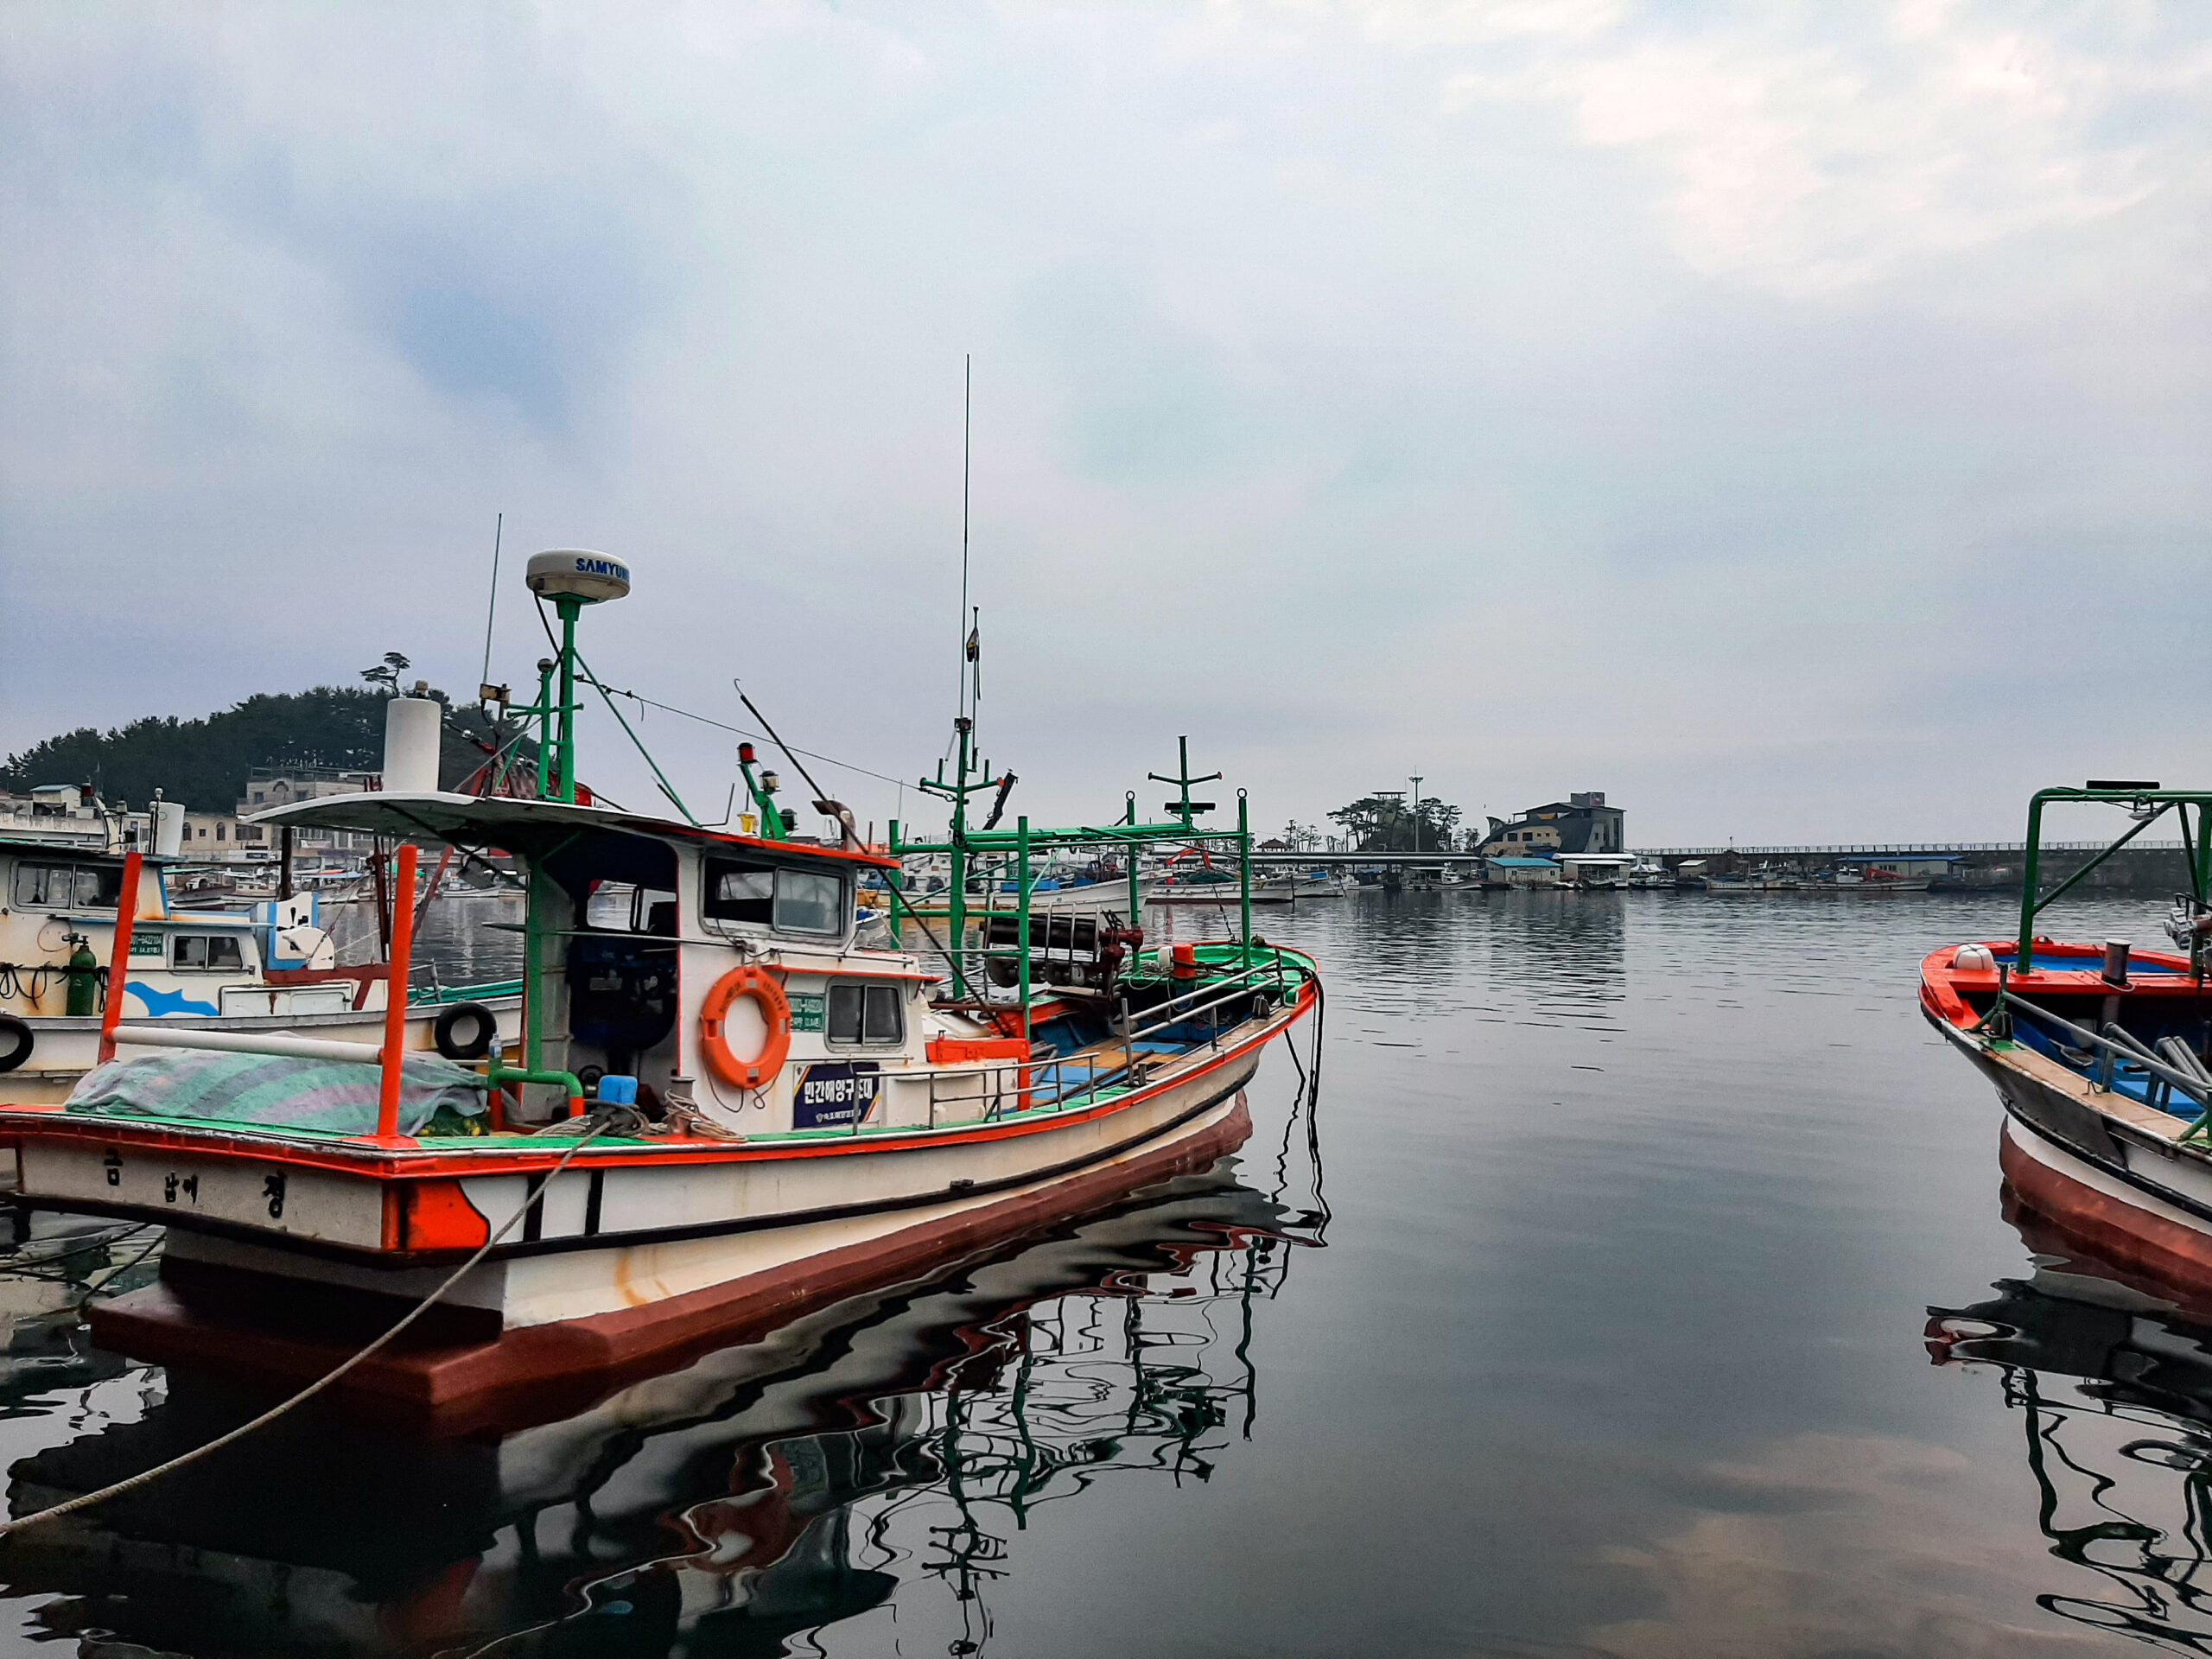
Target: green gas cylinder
83	977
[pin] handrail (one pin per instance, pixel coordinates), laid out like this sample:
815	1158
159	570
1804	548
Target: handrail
991	1083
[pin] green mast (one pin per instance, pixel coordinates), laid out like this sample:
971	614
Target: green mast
964	782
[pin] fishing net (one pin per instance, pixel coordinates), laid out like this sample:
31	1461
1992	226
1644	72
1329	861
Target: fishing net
337	1097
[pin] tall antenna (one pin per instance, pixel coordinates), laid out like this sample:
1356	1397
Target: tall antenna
491	611
967	428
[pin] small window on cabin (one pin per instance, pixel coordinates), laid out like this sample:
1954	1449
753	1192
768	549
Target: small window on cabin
807	902
740	893
609	906
866	1013
64	886
41	885
205	950
881	1020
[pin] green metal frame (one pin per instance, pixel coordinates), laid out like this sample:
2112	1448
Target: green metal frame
2197	849
1025	841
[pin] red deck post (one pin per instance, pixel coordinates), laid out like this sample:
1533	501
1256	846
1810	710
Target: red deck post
395	995
118	967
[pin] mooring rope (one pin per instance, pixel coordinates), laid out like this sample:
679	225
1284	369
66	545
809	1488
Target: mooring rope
147	1476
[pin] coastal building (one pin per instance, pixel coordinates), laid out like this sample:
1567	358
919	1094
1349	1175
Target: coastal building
1508	872
271	786
69	812
1580	823
216	836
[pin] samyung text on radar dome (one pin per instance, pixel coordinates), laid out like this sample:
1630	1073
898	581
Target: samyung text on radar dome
578	573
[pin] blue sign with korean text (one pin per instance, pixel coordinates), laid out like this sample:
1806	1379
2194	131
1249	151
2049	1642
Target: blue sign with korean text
834	1096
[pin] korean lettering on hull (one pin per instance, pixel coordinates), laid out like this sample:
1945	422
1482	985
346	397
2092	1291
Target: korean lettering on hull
245	1192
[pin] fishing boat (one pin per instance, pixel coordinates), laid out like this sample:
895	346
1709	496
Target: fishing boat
718	1102
2099	1053
265	969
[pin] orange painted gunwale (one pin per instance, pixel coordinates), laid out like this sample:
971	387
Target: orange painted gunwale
366	1159
1943	987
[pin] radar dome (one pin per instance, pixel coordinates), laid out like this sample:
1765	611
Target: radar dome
578	573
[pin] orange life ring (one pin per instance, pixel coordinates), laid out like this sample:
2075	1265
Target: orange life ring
775	1009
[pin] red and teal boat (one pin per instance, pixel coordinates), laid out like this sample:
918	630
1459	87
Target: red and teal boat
2099	1053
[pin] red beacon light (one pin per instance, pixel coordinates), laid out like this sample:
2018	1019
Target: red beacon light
745	755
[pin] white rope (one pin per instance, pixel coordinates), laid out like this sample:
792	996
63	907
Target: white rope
145	1477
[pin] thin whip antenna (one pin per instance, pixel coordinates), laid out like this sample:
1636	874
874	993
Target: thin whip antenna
967	430
492	611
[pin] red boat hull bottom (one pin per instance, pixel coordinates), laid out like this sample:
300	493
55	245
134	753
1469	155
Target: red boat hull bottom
453	1374
2136	1232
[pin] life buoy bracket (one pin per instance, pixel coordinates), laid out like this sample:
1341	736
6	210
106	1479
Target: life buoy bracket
754	982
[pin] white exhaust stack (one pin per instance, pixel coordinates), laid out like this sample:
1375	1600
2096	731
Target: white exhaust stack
168	828
410	745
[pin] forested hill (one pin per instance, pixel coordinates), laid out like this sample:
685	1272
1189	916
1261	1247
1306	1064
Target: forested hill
204	762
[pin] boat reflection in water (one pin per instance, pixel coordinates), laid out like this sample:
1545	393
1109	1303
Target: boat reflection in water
2112	1374
884	1448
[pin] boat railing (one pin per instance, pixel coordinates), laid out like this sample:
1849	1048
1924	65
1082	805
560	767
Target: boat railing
2114	1046
990	1088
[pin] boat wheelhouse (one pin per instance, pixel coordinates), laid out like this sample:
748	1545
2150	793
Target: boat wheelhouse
719	1100
2099	1053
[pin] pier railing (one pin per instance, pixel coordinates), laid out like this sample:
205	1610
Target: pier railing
1899	850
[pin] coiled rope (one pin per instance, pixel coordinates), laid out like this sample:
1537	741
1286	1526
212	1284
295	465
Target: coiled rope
148	1475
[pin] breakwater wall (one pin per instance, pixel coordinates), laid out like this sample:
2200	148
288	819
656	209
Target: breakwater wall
2152	867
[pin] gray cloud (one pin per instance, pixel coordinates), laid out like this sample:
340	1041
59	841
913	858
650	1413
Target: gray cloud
1790	420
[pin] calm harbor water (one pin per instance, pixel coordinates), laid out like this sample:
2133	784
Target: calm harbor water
1584	1308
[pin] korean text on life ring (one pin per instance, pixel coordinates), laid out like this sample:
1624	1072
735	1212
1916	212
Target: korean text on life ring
775	1013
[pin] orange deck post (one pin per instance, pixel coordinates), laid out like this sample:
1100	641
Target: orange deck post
395	995
118	967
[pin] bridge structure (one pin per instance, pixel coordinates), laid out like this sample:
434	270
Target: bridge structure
1363	861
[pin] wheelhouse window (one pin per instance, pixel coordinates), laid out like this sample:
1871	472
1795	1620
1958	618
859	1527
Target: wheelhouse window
869	1014
775	896
807	902
623	907
67	886
216	950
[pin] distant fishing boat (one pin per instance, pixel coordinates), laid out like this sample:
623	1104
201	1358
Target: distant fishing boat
220	974
718	1102
2099	1053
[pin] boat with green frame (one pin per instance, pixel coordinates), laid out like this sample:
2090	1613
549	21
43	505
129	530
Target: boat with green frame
2101	1053
721	1104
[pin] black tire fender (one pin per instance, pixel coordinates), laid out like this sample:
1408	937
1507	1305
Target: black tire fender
483	1029
19	1040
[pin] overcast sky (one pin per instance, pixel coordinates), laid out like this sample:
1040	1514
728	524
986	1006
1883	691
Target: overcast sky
1791	420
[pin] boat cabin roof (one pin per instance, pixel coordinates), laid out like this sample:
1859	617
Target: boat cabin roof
532	828
77	852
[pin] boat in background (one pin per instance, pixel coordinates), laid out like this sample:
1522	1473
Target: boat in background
2101	1053
266	970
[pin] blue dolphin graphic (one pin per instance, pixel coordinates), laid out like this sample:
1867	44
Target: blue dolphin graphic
161	1003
